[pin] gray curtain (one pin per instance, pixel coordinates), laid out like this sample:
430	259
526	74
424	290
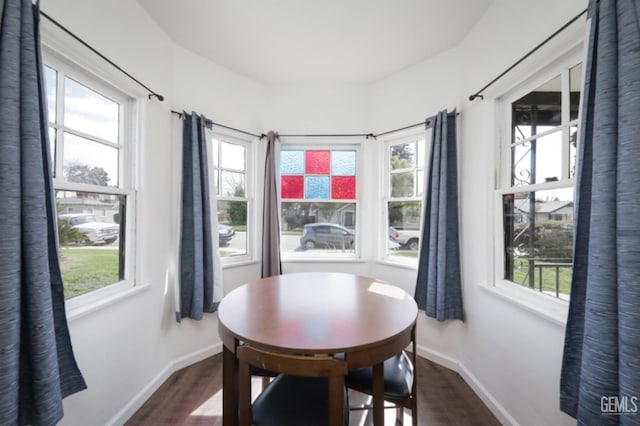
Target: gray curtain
200	275
602	341
37	365
271	264
438	288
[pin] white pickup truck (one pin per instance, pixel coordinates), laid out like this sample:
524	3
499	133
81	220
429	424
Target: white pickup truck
94	231
407	238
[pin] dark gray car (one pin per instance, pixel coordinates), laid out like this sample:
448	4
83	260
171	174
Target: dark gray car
328	235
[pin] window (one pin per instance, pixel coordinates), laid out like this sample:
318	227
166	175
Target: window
539	161
319	200
230	172
89	132
405	174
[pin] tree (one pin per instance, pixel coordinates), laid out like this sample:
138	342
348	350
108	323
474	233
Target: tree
83	173
402	151
238	209
328	212
68	235
402	184
404	213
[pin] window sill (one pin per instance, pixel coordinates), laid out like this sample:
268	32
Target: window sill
327	259
398	264
100	299
245	262
544	306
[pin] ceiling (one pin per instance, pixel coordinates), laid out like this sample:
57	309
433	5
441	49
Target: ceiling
303	41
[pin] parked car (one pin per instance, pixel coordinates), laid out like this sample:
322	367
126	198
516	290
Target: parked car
407	238
94	231
326	235
225	233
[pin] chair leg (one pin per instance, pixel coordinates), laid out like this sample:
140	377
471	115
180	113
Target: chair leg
399	415
265	382
414	411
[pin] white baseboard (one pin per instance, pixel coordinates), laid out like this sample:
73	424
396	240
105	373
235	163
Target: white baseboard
184	361
492	403
438	357
453	364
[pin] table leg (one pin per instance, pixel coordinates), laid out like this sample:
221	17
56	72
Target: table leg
378	394
229	388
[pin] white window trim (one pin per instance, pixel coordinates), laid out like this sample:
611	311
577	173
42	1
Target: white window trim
329	143
545	306
63	53
227	135
396	138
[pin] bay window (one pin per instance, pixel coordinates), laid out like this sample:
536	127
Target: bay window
91	153
319	200
537	183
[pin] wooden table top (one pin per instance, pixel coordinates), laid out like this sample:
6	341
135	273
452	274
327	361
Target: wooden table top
316	312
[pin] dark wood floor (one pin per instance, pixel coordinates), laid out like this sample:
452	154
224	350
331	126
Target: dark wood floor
193	396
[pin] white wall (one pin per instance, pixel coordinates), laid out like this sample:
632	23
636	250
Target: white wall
127	348
512	353
220	94
117	347
509	354
317	108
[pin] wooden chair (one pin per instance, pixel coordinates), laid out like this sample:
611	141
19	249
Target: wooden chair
400	383
265	375
309	391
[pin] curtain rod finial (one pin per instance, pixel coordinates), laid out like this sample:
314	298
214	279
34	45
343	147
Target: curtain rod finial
477	95
156	95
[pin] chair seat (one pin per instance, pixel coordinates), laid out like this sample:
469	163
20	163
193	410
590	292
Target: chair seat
294	400
397	378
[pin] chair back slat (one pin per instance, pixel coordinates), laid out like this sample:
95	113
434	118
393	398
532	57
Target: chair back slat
307	366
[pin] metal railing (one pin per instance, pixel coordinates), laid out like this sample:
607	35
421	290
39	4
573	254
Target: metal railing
536	266
555	265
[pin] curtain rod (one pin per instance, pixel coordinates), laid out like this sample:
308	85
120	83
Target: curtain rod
152	94
210	123
478	94
330	135
428	122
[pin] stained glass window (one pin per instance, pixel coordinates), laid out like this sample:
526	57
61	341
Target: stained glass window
291	162
318	174
317	162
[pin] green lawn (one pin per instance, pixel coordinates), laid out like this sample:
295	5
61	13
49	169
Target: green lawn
404	253
237	227
85	269
521	276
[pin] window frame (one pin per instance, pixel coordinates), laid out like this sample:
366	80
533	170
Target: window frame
127	159
248	142
398	138
326	143
536	301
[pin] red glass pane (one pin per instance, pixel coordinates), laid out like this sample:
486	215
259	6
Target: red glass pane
343	187
292	186
317	162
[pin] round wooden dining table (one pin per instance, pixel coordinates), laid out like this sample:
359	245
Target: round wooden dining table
310	313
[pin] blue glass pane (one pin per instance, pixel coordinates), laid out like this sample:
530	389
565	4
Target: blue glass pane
316	187
343	163
291	162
